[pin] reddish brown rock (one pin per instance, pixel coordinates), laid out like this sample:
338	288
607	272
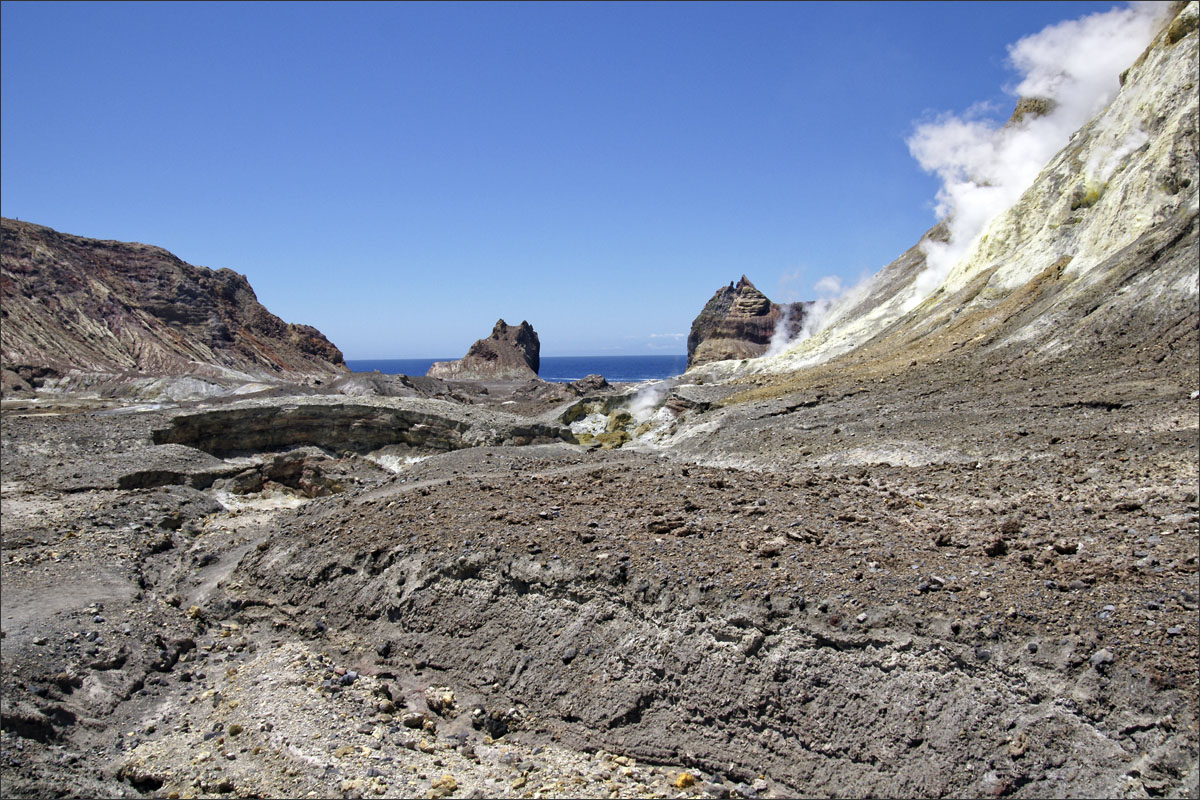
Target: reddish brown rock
738	322
119	307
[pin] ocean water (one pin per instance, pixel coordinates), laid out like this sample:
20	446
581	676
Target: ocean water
557	369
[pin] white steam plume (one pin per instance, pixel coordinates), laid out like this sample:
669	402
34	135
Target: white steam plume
985	167
780	339
830	293
646	400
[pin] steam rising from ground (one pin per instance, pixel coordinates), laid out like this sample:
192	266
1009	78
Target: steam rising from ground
1070	71
830	291
984	167
647	399
783	326
832	297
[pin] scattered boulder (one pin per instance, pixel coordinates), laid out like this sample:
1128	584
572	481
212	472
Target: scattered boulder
439	699
591	383
996	546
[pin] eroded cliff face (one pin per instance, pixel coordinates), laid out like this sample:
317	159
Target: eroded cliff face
71	303
739	322
510	353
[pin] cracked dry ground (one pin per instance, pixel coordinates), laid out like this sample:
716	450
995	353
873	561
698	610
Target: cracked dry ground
547	621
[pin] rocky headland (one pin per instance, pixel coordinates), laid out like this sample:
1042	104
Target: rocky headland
947	546
103	309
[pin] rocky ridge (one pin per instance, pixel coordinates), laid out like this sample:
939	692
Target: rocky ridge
1105	233
72	304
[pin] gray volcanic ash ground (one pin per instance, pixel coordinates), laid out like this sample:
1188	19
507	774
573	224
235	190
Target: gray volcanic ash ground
943	543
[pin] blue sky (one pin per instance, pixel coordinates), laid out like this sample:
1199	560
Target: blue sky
402	175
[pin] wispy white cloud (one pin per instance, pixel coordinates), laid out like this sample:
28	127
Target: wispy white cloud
789	287
829	286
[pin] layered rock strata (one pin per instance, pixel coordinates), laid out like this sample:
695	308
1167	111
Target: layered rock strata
341	425
739	322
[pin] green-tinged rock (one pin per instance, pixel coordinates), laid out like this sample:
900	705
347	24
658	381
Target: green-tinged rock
618	421
612	440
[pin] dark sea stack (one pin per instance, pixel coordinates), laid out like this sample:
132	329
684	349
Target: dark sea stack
71	303
738	322
510	353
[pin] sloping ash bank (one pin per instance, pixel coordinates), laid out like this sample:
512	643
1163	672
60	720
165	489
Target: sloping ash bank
723	631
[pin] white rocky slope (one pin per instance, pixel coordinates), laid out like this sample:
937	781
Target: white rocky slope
1128	176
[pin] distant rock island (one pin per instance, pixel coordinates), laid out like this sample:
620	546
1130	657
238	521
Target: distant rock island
72	303
739	322
511	353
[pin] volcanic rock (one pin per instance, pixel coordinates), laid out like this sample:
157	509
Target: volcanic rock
589	383
1097	258
510	353
71	303
739	322
787	594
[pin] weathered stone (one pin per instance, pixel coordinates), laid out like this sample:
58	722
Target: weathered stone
996	547
510	353
739	322
439	699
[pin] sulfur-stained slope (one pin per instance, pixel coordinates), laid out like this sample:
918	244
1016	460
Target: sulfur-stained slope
1099	254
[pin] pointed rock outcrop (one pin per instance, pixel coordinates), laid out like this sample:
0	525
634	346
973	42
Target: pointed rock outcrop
510	353
739	322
